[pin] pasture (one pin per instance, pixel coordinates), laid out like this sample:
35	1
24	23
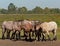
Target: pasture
41	17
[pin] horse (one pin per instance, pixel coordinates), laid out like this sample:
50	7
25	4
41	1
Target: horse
37	30
16	29
25	25
47	27
7	26
30	26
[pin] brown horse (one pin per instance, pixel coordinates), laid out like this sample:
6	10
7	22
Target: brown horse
27	26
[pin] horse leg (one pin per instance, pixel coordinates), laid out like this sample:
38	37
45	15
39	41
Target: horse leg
25	35
54	33
8	34
44	37
19	34
48	36
13	35
32	33
38	35
3	33
16	38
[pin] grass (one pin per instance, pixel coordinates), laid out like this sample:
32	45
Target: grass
58	34
41	17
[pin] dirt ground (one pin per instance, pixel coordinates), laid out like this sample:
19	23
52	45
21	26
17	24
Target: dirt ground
7	42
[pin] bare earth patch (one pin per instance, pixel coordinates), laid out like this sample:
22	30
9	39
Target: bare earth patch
25	43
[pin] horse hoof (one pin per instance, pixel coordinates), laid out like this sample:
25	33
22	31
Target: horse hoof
38	40
17	39
43	40
26	39
7	38
55	39
49	39
11	38
3	38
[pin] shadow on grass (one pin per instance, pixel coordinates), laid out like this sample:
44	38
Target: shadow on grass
28	40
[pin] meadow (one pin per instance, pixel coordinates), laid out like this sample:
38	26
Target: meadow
40	17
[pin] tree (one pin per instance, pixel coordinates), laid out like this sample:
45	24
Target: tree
11	8
37	10
54	10
46	10
22	10
0	11
3	11
29	12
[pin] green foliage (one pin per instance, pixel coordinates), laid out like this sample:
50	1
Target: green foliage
22	10
37	10
46	10
3	11
12	9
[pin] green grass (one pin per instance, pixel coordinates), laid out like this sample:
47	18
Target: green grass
41	17
0	33
51	35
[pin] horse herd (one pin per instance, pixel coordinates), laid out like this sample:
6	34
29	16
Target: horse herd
41	29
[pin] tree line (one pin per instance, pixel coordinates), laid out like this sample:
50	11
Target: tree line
12	9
